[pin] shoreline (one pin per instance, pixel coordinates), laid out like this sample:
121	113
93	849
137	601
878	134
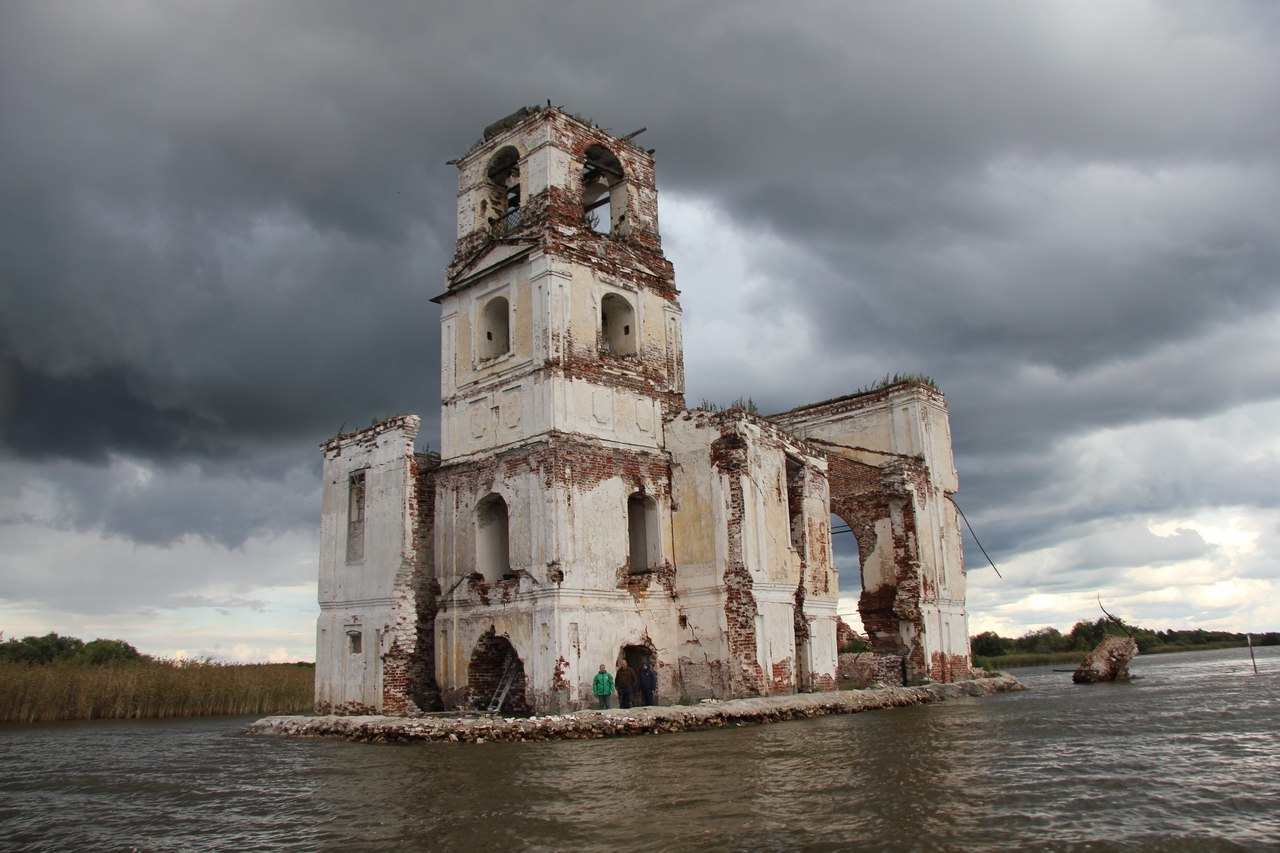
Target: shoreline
617	722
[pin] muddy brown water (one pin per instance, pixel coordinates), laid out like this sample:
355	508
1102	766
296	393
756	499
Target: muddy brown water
1186	758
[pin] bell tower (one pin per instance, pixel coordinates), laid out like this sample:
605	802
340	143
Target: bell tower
561	358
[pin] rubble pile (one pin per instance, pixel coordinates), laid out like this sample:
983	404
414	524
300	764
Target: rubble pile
1109	661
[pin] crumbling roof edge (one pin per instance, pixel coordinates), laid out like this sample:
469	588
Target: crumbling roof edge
884	391
466	281
765	422
388	423
526	114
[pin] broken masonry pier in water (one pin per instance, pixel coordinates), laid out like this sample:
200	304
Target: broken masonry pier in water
578	514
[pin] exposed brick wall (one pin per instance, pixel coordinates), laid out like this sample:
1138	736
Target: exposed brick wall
746	677
945	667
889	669
408	668
484	674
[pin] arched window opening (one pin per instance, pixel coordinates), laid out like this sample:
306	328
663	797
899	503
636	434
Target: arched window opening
844	553
504	191
493	537
618	331
495	328
643	551
604	190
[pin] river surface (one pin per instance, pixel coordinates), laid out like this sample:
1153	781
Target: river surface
1187	758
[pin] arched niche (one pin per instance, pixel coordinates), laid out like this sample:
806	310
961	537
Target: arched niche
644	552
493	538
495	328
618	330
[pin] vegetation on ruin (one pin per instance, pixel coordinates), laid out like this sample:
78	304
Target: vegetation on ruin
855	646
739	405
898	379
53	678
1048	646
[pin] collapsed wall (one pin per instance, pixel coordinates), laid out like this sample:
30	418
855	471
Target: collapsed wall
892	476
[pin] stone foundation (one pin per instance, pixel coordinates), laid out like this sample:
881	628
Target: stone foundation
586	725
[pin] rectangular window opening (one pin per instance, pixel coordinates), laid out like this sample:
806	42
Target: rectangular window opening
355	516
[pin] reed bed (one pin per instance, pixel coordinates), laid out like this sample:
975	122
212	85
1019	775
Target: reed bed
67	691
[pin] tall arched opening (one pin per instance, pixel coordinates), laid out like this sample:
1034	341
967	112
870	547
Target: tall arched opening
503	206
845	555
604	190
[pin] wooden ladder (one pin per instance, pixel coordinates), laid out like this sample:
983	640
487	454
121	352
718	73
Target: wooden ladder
509	673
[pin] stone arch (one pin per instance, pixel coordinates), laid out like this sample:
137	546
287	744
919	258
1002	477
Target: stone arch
846	557
491	659
604	190
859	498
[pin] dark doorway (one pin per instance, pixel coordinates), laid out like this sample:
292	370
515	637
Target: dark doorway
496	677
636	657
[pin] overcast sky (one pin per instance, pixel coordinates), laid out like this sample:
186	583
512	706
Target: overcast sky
222	223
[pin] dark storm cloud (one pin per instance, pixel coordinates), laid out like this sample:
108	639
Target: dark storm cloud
222	222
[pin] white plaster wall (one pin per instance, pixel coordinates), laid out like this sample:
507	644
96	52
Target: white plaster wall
582	531
699	524
909	420
555	311
361	594
769	555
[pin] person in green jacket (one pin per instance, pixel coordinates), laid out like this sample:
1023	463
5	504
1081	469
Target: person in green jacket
602	686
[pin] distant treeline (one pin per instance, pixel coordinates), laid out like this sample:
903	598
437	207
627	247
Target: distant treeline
52	648
1083	636
51	678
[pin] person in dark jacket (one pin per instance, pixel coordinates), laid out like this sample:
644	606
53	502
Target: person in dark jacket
625	680
602	686
648	684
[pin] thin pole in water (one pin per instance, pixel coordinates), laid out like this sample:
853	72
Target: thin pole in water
1249	637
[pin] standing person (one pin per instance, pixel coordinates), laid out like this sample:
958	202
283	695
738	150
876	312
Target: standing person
602	686
648	683
625	679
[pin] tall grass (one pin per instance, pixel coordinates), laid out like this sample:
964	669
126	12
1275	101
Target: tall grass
1015	660
67	691
1021	659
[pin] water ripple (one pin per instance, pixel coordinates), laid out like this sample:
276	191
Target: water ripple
1187	758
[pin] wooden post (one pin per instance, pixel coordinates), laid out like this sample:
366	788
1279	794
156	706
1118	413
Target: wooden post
1249	637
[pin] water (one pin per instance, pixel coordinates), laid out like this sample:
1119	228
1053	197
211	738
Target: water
1187	758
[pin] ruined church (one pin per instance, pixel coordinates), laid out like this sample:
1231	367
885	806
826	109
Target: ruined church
577	514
